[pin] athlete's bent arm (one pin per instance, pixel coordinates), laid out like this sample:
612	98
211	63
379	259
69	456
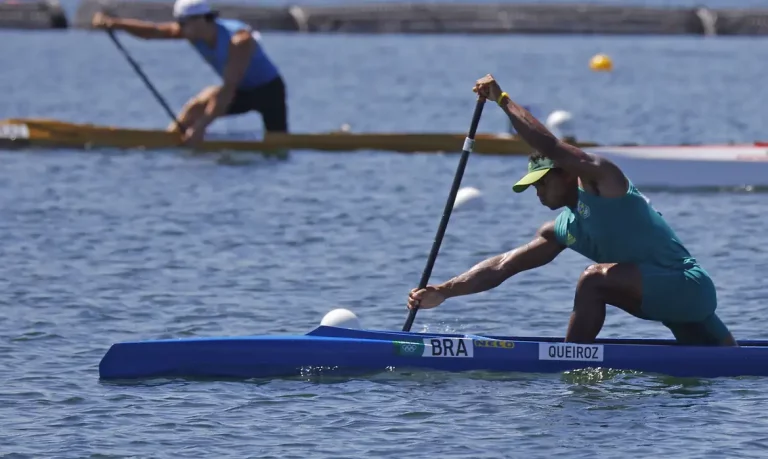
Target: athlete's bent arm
601	173
241	49
494	271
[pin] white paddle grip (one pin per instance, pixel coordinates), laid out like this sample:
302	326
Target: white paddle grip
469	144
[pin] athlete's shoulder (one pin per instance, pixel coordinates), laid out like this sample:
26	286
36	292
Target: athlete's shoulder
547	230
611	181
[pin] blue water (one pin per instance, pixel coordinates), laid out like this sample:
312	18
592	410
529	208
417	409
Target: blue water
103	246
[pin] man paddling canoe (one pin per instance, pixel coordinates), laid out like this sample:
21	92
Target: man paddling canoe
251	82
640	265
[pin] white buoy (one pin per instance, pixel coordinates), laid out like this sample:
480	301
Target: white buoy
468	198
560	123
343	318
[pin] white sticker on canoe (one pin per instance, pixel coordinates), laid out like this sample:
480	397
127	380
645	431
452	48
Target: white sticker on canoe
448	347
571	351
14	131
436	347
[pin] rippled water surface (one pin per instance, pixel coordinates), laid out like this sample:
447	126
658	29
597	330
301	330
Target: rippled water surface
104	246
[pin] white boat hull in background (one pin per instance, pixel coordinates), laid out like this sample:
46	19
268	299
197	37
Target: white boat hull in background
703	166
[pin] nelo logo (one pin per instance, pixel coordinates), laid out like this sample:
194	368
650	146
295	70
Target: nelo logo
500	344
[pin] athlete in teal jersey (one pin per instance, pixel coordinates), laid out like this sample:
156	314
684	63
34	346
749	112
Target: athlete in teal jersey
250	81
641	265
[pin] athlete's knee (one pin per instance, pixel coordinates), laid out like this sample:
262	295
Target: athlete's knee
204	96
592	278
195	107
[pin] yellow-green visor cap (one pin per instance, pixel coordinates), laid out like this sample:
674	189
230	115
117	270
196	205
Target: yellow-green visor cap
537	168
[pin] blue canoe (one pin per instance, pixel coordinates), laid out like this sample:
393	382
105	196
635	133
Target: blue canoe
370	350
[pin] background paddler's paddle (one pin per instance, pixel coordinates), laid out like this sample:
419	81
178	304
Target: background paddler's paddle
141	74
469	143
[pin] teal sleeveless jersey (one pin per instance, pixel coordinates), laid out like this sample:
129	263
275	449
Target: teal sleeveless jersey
626	229
260	70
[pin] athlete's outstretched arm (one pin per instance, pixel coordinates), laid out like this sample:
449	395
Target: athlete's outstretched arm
135	27
494	271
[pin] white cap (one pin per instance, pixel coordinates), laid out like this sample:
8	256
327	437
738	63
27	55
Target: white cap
186	8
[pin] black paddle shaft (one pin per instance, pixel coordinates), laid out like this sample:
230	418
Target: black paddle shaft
468	145
149	84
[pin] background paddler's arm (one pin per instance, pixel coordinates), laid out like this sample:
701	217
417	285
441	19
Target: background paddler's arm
240	50
494	271
145	29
